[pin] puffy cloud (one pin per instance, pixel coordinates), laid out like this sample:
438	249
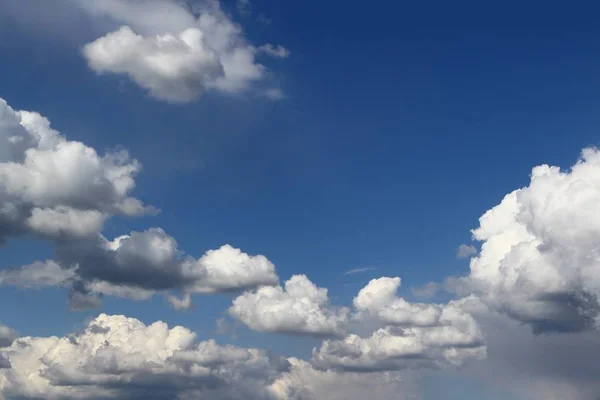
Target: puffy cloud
175	68
539	256
119	357
465	251
53	187
298	308
174	51
379	300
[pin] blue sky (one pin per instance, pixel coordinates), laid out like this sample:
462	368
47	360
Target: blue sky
400	125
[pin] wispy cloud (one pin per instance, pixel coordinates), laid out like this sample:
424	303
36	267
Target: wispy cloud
359	270
465	251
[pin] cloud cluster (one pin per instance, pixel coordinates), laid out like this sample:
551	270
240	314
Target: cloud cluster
413	335
53	187
539	260
298	308
176	59
139	265
119	357
410	335
64	191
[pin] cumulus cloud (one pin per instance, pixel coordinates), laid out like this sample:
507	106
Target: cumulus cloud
175	68
119	357
56	188
539	256
378	299
174	51
465	251
298	308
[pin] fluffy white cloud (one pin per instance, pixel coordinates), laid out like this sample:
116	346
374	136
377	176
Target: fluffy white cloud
56	188
174	51
119	357
379	300
539	260
298	308
175	68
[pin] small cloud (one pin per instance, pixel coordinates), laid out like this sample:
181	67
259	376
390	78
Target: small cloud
226	327
465	251
426	291
263	19
274	51
273	94
358	270
244	7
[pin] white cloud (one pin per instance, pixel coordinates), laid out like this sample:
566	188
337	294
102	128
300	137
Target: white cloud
119	357
539	257
176	52
298	308
176	68
465	251
53	187
379	300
